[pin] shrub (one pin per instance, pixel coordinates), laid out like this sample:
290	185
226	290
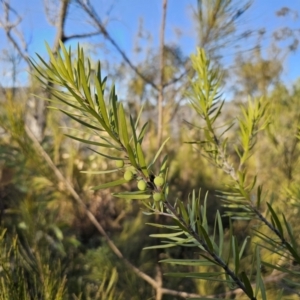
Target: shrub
220	254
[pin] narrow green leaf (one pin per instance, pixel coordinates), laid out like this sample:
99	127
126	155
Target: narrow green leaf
100	172
113	104
80	121
188	262
102	106
159	151
68	60
101	121
107	156
243	247
138	117
207	275
131	156
84	83
164	164
290	232
259	192
110	184
207	239
63	97
203	213
235	250
166	235
181	226
61	67
279	268
141	159
183	212
77	97
210	259
89	142
142	133
133	195
160	246
276	220
133	129
221	233
171	227
262	289
258	273
293	252
247	284
123	125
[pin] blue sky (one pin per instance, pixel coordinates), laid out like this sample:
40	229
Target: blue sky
124	20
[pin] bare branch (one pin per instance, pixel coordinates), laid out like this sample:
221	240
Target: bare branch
60	26
8	27
80	36
87	7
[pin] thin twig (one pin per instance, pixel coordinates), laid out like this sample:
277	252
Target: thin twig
87	7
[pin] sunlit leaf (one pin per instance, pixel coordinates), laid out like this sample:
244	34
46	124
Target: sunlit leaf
109	184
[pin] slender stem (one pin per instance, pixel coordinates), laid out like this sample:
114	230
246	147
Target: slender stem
160	99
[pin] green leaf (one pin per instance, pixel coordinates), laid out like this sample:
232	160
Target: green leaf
141	159
68	61
163	167
158	152
188	262
84	84
166	235
102	106
247	284
110	184
85	124
183	212
221	233
131	156
139	117
142	133
243	247
113	104
258	273
207	239
235	250
275	218
290	232
123	125
279	268
133	129
171	227
133	195
160	246
205	275
293	252
107	156
262	289
100	172
259	192
89	142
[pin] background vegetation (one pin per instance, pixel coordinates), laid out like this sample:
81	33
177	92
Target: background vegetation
62	240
